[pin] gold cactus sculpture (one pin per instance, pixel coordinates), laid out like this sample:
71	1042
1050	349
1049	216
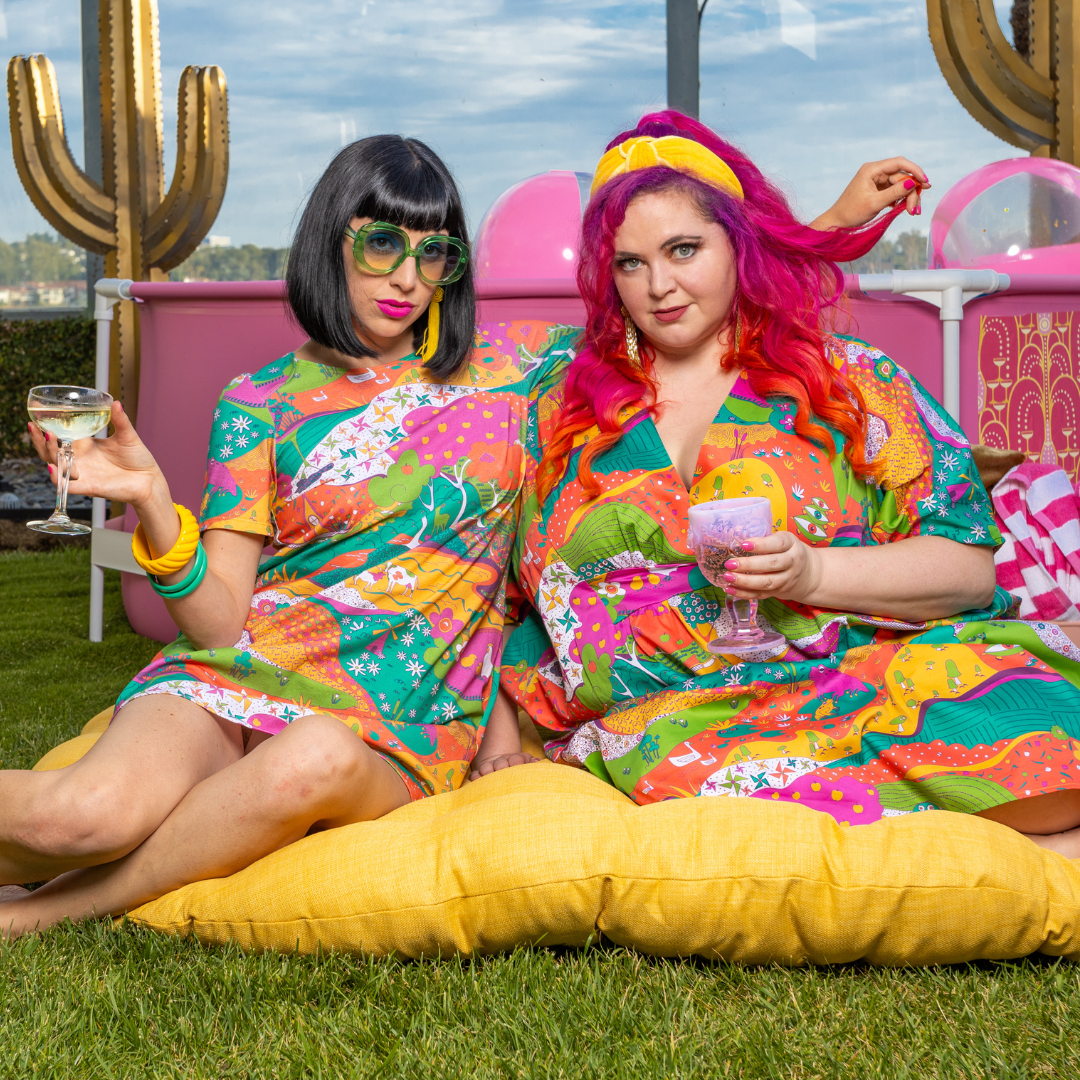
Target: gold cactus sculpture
142	230
1029	99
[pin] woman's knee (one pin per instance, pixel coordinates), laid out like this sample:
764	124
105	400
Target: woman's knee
316	757
87	822
1054	812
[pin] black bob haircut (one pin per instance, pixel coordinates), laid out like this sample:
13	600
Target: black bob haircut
402	182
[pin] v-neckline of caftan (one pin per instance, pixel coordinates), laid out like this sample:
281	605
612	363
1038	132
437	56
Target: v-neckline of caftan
723	416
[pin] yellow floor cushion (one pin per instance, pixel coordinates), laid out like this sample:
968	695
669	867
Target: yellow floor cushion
69	752
546	853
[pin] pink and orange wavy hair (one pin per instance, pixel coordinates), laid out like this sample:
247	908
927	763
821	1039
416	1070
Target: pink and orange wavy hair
787	280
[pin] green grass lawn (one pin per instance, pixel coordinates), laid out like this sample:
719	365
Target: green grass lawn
96	1002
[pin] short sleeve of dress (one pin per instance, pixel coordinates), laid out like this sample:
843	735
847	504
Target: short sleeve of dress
930	485
240	472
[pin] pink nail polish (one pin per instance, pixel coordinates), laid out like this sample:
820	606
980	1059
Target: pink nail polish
729	578
731	564
909	183
918	210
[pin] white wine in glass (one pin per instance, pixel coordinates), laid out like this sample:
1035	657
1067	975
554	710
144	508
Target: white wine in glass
69	413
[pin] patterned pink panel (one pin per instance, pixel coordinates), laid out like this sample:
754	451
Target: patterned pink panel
1029	397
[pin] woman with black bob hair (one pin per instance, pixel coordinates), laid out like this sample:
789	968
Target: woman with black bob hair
350	672
390	179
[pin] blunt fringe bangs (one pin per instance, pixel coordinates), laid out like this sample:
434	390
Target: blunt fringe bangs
402	182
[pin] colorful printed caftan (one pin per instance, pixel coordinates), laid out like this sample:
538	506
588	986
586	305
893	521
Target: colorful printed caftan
391	505
859	716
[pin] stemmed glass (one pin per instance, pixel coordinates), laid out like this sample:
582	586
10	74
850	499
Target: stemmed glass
69	413
718	531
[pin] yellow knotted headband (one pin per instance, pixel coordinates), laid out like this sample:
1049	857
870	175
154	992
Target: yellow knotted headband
644	152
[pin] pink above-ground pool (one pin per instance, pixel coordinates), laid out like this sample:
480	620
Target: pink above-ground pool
1019	350
197	336
1020	216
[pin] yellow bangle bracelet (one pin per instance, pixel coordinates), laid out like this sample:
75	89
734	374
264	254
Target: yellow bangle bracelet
180	553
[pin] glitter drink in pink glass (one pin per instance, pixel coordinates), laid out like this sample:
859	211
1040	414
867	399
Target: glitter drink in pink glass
719	530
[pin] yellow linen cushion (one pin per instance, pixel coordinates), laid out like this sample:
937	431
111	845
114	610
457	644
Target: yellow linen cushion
548	854
67	753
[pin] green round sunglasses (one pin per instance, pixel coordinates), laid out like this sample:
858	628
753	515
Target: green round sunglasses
381	248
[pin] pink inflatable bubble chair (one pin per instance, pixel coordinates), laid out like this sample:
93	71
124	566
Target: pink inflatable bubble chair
1020	216
533	229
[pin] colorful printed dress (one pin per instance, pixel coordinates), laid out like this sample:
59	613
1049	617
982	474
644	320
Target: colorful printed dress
391	504
860	717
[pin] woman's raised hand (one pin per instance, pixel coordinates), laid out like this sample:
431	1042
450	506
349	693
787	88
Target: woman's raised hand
877	185
118	468
780	565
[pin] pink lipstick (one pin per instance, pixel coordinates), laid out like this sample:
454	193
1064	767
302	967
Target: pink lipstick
394	309
671	314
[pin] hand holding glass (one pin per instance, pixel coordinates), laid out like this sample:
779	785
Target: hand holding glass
718	531
69	413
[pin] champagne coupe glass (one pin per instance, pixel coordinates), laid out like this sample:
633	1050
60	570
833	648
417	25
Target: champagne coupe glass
69	413
718	531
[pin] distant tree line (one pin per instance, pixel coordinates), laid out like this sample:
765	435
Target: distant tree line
247	263
40	257
45	257
906	252
251	263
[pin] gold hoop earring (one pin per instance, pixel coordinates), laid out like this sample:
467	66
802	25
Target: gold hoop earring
632	351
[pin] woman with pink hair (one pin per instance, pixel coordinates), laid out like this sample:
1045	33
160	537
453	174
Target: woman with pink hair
887	677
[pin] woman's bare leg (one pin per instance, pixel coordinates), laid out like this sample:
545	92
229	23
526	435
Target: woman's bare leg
1052	821
109	802
317	772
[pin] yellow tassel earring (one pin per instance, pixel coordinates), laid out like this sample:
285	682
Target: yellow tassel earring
430	341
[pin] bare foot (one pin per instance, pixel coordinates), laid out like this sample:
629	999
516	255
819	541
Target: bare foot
1064	843
8	893
495	764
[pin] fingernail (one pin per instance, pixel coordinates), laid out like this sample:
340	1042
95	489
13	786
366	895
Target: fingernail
918	210
50	470
731	564
729	578
909	183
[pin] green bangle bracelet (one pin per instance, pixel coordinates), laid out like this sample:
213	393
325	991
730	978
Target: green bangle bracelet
189	584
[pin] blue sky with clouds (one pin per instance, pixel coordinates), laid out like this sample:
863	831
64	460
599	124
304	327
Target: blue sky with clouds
504	89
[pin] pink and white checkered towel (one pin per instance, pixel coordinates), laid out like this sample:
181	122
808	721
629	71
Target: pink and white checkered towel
1039	512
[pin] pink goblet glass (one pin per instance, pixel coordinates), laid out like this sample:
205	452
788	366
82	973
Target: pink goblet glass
719	531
